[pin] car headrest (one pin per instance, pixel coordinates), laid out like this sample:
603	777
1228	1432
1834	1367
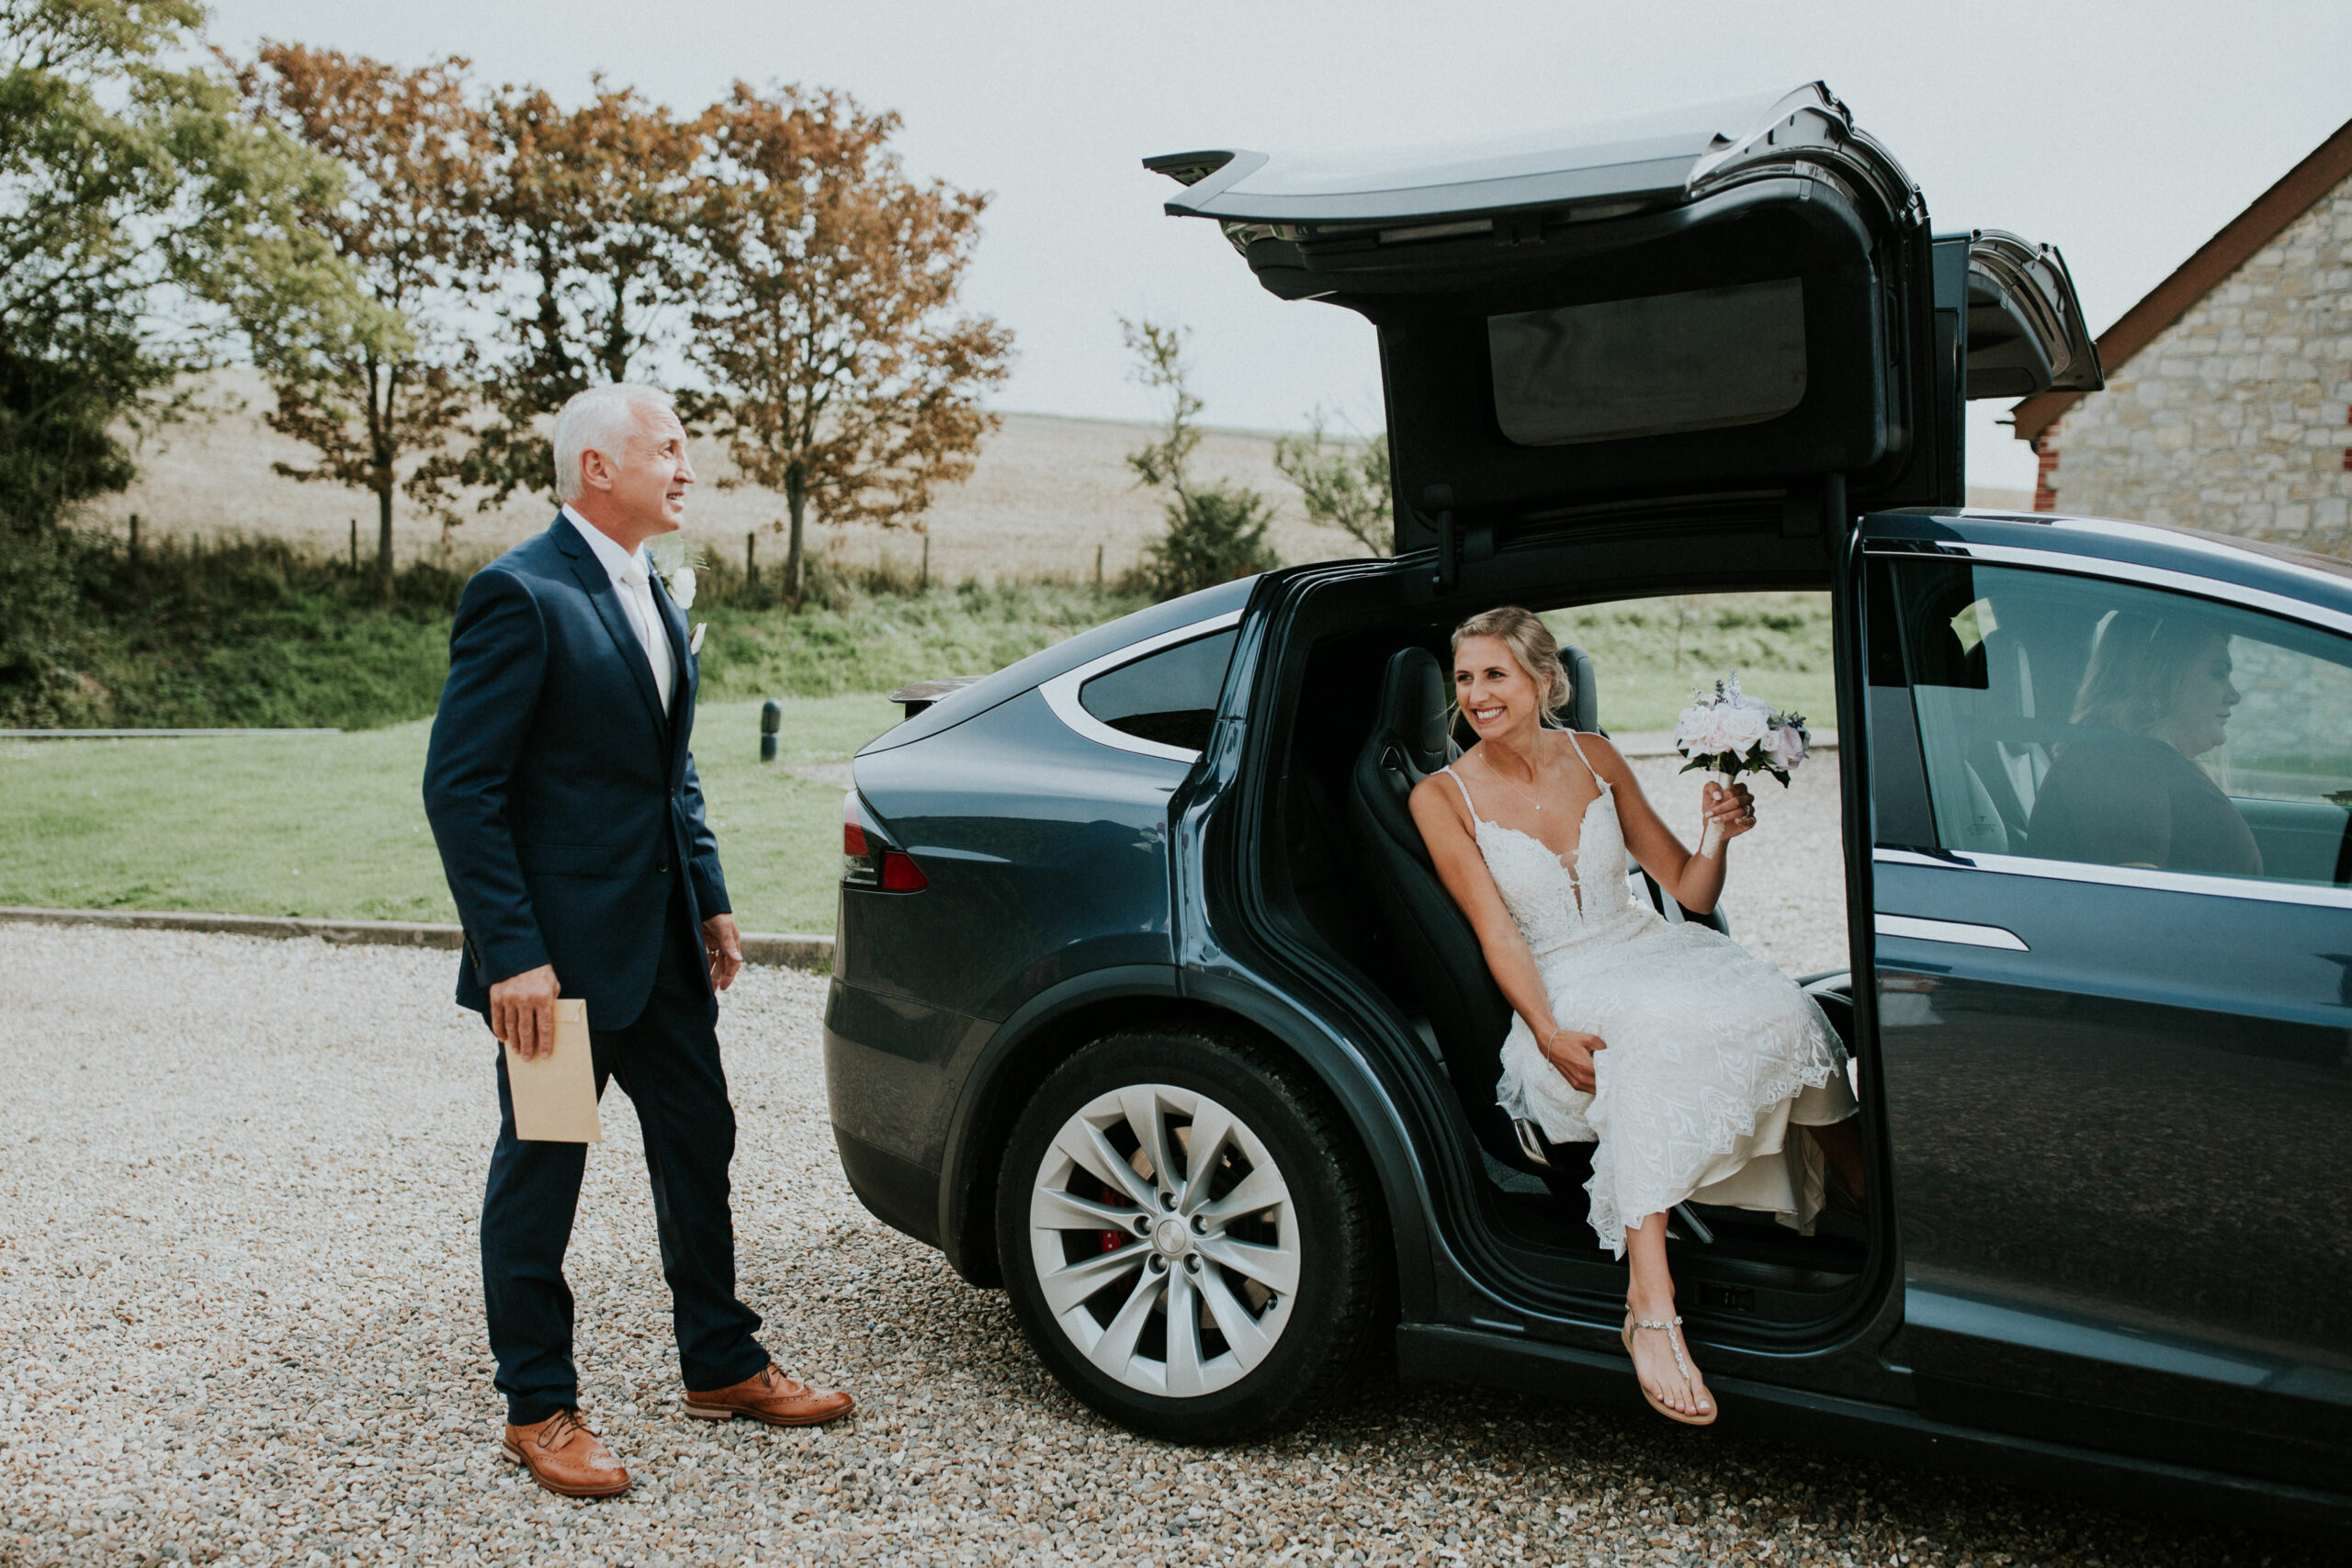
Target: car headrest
1584	708
1413	709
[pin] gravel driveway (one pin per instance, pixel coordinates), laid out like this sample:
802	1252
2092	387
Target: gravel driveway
239	1318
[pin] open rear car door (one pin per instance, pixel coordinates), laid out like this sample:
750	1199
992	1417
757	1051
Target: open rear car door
1691	348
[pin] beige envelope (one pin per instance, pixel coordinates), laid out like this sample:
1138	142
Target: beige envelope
555	1097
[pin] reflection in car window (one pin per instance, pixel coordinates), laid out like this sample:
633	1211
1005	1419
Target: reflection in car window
2072	719
1169	696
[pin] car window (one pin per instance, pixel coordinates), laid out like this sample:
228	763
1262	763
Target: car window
1169	696
2072	718
1617	368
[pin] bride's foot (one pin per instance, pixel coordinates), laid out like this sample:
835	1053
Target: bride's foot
1662	1361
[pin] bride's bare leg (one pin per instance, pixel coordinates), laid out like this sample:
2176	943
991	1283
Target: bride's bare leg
1651	1297
1842	1147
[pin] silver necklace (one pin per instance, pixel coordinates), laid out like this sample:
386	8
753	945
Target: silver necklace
1537	765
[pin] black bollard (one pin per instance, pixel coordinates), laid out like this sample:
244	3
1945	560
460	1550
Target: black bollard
771	720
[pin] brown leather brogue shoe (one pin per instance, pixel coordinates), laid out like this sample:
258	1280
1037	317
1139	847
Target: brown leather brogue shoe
770	1396
564	1456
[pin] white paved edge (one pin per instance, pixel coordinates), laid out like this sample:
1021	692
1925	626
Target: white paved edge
791	950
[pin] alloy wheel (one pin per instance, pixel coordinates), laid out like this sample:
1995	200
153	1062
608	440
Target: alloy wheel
1165	1240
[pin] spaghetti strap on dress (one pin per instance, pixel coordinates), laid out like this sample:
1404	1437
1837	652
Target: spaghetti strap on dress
1711	1051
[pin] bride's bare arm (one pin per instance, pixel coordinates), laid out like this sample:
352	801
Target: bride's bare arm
1446	829
1692	880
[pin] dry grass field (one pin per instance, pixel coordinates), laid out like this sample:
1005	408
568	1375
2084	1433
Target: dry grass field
1048	491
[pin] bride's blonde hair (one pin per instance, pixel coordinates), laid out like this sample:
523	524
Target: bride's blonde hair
1532	643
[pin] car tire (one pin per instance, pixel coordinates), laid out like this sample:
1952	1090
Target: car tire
1285	1299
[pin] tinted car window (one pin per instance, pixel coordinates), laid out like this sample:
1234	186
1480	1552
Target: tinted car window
1169	696
1616	369
2072	719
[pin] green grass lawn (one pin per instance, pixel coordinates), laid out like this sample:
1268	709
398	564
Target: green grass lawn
1649	653
332	826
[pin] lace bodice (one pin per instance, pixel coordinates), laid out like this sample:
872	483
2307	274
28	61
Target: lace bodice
1555	904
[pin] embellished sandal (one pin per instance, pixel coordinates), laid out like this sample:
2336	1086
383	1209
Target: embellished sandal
1669	1326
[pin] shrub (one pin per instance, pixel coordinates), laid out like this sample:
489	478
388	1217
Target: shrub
1215	532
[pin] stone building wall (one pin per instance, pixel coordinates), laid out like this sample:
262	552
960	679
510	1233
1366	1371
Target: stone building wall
2235	417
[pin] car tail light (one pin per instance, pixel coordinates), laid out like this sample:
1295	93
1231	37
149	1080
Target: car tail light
867	861
861	867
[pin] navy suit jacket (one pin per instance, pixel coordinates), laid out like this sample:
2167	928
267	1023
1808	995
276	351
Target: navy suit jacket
564	802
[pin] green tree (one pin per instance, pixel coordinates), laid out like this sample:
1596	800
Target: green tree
585	208
144	225
1216	531
380	391
825	283
1342	485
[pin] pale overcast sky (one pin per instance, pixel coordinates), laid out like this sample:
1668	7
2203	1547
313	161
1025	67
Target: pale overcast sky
2123	132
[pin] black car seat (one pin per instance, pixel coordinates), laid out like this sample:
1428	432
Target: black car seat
1584	702
1433	942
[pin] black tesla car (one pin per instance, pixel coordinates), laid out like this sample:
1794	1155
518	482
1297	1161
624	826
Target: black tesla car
1148	1007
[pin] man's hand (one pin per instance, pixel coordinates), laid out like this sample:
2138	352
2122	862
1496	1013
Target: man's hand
724	946
522	1011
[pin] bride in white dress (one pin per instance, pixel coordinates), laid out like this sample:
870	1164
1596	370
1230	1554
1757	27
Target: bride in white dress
1685	1059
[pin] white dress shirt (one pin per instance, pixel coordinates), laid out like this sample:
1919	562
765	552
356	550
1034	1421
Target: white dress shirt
633	581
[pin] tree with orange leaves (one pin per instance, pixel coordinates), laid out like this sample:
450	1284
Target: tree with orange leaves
824	282
584	211
381	394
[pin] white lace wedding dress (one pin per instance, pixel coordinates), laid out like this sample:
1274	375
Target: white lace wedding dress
1711	1053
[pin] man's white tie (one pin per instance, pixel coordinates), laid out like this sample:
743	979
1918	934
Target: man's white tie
648	619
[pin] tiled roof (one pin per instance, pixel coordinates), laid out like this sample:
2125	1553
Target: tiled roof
2296	194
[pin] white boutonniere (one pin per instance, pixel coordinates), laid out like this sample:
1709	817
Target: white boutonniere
675	559
694	643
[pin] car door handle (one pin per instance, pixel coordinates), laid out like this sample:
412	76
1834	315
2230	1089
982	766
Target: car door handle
1921	930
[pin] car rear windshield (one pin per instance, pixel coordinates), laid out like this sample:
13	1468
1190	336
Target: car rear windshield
1653	365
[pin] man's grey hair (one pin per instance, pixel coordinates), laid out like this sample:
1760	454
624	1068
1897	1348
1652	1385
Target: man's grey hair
601	419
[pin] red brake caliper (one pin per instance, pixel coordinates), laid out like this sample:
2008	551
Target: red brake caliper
1111	1240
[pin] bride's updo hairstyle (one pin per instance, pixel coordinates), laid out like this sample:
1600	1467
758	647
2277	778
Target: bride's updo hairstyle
1532	643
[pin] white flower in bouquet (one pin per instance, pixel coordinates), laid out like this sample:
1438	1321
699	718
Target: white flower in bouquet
681	587
1731	733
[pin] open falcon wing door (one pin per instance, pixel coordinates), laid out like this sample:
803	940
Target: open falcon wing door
2025	326
1732	307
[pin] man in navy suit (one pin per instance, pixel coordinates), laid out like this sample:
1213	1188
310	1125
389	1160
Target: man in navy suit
571	827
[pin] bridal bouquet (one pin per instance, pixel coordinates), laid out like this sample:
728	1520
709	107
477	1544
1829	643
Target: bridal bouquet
1731	733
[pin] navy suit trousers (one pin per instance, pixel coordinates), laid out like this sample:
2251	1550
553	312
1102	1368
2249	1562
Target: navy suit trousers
666	1061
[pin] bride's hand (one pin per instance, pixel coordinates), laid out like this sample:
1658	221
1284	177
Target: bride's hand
1733	807
1572	1054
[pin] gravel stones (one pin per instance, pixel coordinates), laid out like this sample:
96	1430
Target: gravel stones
240	1322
